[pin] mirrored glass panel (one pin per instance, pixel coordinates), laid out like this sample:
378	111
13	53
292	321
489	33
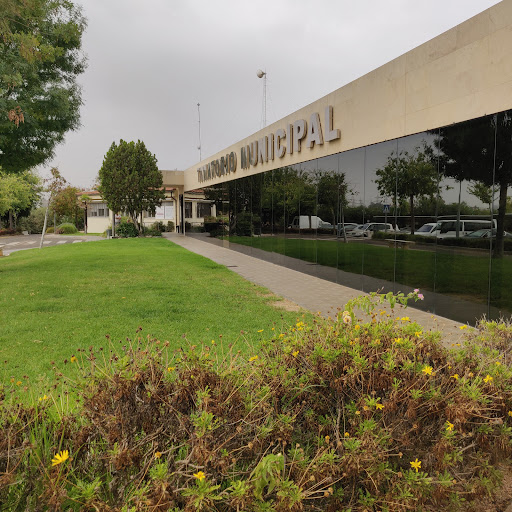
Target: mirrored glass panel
463	258
351	217
381	205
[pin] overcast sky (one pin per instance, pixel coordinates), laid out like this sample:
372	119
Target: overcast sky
151	62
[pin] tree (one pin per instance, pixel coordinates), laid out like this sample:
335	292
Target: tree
408	177
130	180
18	193
486	194
40	60
332	197
65	202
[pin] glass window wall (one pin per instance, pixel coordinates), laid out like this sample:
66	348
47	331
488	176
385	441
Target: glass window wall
430	211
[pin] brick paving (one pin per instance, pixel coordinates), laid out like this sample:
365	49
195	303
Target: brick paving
309	292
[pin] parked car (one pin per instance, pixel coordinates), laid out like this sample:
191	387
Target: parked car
367	230
428	229
487	233
349	227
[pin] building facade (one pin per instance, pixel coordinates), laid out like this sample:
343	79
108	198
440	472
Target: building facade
179	210
427	136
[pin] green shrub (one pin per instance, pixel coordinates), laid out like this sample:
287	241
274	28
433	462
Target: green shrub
34	222
158	226
126	230
152	232
50	230
66	229
170	227
339	414
7	232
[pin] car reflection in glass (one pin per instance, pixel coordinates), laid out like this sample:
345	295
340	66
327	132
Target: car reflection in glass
486	233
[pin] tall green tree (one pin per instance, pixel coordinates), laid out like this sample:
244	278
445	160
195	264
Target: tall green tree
40	59
408	177
129	179
17	193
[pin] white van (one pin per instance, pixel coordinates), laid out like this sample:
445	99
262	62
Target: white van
448	228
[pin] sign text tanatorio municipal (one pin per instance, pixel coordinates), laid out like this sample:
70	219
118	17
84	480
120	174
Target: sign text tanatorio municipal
274	145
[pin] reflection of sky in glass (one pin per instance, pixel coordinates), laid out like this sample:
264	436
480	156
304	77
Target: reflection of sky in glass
363	186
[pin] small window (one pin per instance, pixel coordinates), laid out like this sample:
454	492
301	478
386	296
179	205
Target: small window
188	209
204	209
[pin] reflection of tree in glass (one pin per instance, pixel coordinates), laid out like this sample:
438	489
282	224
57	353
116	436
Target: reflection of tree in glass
486	194
408	177
481	150
279	196
332	196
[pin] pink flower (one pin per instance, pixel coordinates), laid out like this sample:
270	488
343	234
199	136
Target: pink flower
416	290
420	296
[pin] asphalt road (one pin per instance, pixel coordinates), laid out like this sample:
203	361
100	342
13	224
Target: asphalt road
10	244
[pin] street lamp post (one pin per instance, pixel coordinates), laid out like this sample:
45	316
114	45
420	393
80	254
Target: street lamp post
263	74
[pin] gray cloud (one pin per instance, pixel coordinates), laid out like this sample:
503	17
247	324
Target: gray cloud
151	62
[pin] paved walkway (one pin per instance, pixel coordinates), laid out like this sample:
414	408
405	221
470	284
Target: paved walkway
309	292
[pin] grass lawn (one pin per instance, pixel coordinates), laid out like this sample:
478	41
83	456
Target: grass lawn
62	298
455	273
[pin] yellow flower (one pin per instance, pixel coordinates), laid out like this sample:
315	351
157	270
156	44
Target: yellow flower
261	330
498	363
377	341
366	408
73	359
470	374
462	327
406	319
398	340
171	368
346	434
418	333
416	464
213	342
379	406
455	376
356	327
427	370
281	335
200	476
327	439
158	455
253	358
510	413
358	413
449	426
488	379
60	457
295	354
18	383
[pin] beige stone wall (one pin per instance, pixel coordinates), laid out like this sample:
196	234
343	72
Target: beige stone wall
461	74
